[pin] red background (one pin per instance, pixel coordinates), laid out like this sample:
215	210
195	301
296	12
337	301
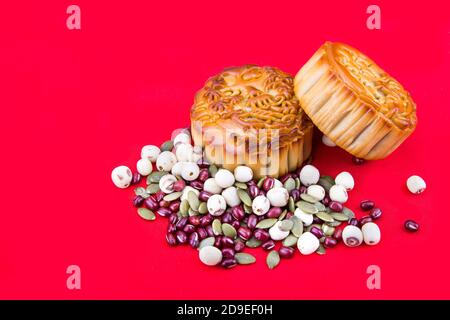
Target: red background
75	104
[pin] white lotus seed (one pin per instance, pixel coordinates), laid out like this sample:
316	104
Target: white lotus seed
278	196
327	141
166	183
121	177
190	171
181	138
231	196
309	175
346	180
216	205
210	255
307	243
166	161
184	152
144	167
352	236
338	193
150	152
197	154
178	168
211	186
316	191
260	205
224	178
416	184
276	233
243	174
371	233
306	218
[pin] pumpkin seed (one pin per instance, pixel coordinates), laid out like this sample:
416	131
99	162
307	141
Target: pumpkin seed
212	170
320	206
334	223
297	228
282	215
308	198
289	184
326	182
325	217
291	204
192	212
297	183
202	208
172	196
308	228
286	225
193	200
322	240
139	191
146	214
244	258
290	241
167	146
153	188
349	213
247	209
245	198
339	216
217	227
228	230
307	207
155	176
206	242
266	223
327	230
273	259
321	250
260	182
146	195
253	243
240	185
184	208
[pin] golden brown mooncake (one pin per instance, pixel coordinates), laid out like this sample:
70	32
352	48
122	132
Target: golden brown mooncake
354	102
250	116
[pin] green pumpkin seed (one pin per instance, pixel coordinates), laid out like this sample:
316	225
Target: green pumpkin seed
217	227
193	200
321	250
155	176
282	215
320	206
212	170
139	191
291	204
202	208
307	207
308	228
146	195
172	196
322	240
146	214
167	146
286	225
266	223
349	213
206	242
253	243
290	241
153	188
297	228
247	209
308	198
334	224
339	216
245	198
244	258
228	230
240	185
327	230
289	184
184	208
325	217
326	182
260	182
273	259
297	183
192	212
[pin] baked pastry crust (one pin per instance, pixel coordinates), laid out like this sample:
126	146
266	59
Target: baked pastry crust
250	115
354	102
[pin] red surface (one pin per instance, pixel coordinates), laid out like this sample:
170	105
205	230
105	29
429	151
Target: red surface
74	104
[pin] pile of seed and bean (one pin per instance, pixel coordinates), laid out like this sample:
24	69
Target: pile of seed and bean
221	213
